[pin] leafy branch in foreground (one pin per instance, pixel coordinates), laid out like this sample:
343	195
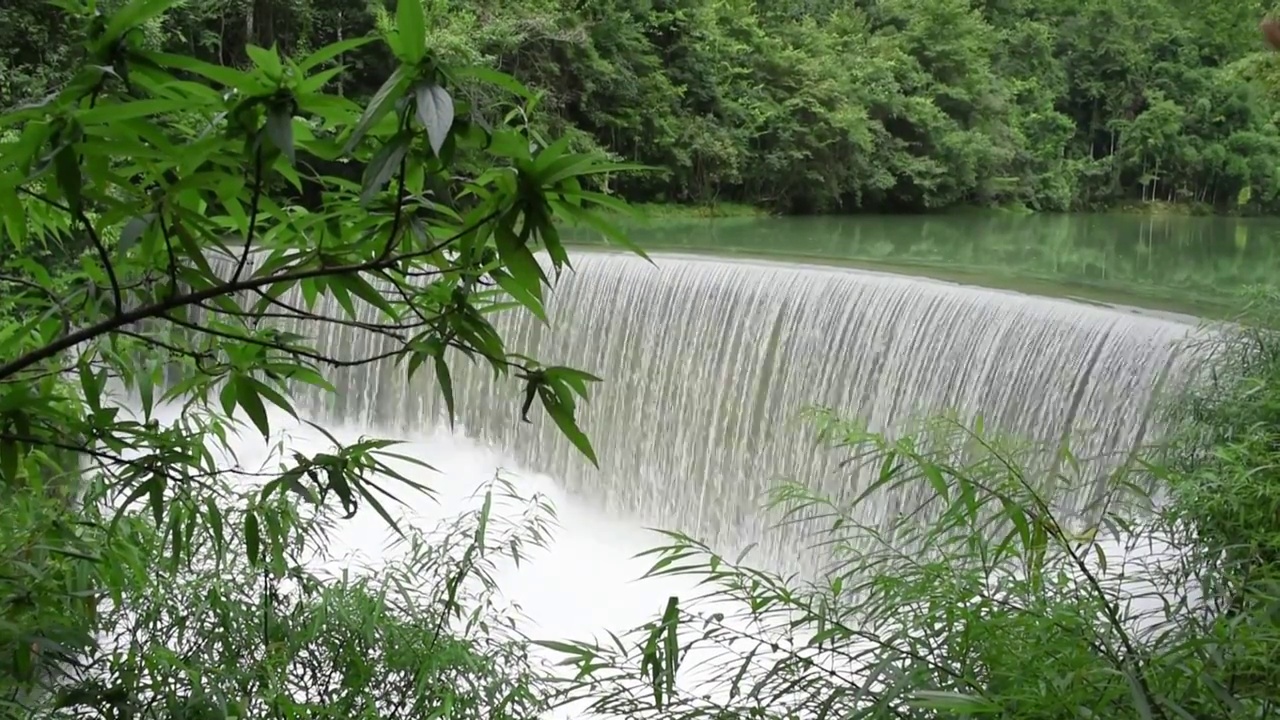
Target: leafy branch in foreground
225	637
982	602
168	225
192	215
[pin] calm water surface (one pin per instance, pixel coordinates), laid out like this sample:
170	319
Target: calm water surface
1184	264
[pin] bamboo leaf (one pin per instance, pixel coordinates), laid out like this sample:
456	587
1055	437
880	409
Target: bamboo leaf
411	24
446	384
521	263
953	702
563	418
435	113
381	102
252	537
521	293
246	394
280	131
266	59
106	113
331	51
229	77
382	167
496	78
67	170
133	15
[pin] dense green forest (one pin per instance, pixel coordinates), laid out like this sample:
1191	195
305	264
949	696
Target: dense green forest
817	105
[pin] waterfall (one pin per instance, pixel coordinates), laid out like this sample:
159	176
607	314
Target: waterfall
706	363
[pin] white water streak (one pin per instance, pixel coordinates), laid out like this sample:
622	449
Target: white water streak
707	362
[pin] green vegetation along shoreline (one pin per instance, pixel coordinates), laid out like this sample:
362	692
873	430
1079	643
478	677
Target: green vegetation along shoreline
812	106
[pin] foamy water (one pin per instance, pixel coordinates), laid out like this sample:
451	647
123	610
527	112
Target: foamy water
586	581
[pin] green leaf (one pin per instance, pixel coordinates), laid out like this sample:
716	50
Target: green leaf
331	51
91	385
191	249
343	298
106	113
568	648
563	417
280	131
616	204
271	394
311	291
229	77
496	78
411	24
213	515
435	112
22	661
575	380
134	15
15	218
509	144
316	83
383	166
132	231
67	169
9	460
1141	702
266	60
156	486
522	294
361	288
953	702
246	395
146	391
446	384
381	102
610	231
518	259
586	165
252	537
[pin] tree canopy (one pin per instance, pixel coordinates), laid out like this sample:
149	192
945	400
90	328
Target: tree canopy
814	105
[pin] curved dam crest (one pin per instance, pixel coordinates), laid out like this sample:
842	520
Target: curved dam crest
707	363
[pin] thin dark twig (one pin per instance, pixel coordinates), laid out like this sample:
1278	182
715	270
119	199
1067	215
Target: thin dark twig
404	295
46	200
385	330
253	213
101	249
178	301
31	284
105	259
168	246
199	356
393	238
295	312
300	352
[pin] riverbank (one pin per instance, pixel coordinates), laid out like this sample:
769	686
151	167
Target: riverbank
671	211
1159	208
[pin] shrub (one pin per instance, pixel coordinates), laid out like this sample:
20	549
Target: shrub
980	601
